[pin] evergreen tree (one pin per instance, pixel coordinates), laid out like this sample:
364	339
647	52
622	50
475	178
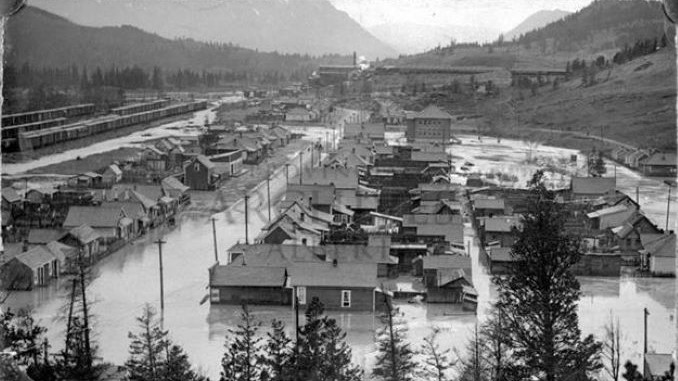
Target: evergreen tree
147	349
395	360
436	360
538	299
241	361
336	357
176	366
278	362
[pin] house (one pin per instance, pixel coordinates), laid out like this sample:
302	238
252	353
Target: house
429	124
112	174
281	135
443	206
627	236
588	188
383	223
40	196
32	268
436	192
298	114
200	174
173	188
634	159
136	211
154	159
87	241
428	266
657	365
379	255
659	253
451	286
598	264
342	214
320	197
339	286
270	255
434	227
85	180
501	260
109	223
232	161
489	207
659	164
499	231
252	148
348	160
11	201
292	228
254	285
610	217
345	181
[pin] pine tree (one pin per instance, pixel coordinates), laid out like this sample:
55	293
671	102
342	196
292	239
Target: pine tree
336	363
395	360
538	299
176	366
147	349
243	350
436	360
278	361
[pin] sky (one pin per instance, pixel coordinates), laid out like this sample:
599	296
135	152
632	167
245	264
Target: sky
502	15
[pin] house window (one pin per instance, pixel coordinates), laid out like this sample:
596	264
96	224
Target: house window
196	167
301	295
345	298
304	241
214	295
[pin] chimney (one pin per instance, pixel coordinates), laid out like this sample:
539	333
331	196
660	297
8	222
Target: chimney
334	262
24	246
310	201
302	217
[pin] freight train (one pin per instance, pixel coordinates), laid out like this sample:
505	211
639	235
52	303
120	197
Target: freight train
54	135
10	134
45	115
140	107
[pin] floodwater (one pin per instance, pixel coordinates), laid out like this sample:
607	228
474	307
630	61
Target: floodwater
177	129
129	278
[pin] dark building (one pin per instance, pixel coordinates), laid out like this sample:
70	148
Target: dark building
249	284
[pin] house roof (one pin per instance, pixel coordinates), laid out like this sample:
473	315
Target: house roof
446	276
488	203
115	169
417	220
359	202
84	233
202	159
383	150
349	275
501	224
36	256
501	254
298	111
593	185
247	276
343	209
454	261
172	183
663	246
320	194
131	208
432	112
356	254
94	216
658	363
339	177
273	254
61	251
10	195
386	216
628	226
43	236
607	211
661	159
428	156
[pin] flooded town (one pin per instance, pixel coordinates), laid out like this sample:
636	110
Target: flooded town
489	209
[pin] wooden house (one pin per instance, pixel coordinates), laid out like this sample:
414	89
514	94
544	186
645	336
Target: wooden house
86	240
154	159
489	207
428	266
434	227
626	236
588	188
657	365
112	175
379	255
320	197
660	164
85	180
659	253
32	268
499	230
40	196
609	217
450	286
44	236
254	285
200	174
110	223
501	261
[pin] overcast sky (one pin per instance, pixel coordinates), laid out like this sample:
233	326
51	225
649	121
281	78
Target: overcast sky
502	15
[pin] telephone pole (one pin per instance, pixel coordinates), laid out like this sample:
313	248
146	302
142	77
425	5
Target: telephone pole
268	192
287	174
160	242
301	165
214	237
646	313
247	197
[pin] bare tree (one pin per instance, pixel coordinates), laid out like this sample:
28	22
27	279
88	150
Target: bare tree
612	348
437	361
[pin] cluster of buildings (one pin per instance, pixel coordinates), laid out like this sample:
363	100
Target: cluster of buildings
649	162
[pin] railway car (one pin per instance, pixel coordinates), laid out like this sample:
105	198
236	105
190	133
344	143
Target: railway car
44	115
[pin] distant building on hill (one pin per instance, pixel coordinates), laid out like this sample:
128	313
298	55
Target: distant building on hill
429	124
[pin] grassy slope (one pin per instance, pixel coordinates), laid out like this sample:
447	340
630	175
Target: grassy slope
636	104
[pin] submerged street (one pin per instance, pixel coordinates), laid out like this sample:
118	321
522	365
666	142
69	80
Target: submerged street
123	282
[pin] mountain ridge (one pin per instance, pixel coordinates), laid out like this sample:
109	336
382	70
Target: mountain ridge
536	20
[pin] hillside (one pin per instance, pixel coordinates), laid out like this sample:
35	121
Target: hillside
633	103
412	38
604	24
535	21
312	27
42	39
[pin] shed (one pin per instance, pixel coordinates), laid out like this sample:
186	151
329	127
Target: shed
34	267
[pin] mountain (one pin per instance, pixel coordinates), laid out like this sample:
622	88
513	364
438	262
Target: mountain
535	21
410	38
42	39
602	25
288	26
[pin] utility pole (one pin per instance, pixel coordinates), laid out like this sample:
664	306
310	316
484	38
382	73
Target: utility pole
637	194
214	236
296	319
287	174
85	314
268	192
668	207
301	165
646	313
247	197
160	242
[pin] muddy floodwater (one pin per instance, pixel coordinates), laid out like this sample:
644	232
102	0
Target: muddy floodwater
128	279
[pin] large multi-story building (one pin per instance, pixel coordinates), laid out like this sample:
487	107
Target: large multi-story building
430	124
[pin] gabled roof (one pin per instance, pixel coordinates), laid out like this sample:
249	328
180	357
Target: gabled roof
115	169
501	254
607	211
84	233
661	159
359	202
202	159
446	262
341	208
501	224
43	236
355	254
341	178
36	256
10	195
132	209
664	246
319	194
247	276
94	216
415	220
447	276
593	185
630	224
349	275
172	183
61	251
429	156
273	254
488	203
432	112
